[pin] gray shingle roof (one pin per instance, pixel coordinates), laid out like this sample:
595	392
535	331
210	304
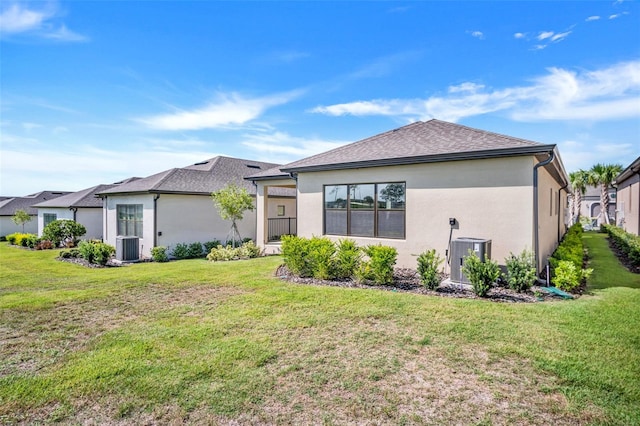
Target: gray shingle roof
201	178
629	171
85	198
433	140
9	206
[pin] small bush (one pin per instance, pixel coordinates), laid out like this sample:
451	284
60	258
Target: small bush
347	258
96	252
428	264
63	231
11	238
70	254
210	245
568	277
628	243
295	251
159	254
249	250
29	240
195	250
320	258
44	245
17	239
379	265
481	274
521	271
223	253
181	251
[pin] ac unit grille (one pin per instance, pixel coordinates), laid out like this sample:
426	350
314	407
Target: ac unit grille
460	249
127	248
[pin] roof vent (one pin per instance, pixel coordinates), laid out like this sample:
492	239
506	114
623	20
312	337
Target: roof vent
253	166
201	163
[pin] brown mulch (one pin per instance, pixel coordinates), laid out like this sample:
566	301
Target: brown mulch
623	258
82	262
406	280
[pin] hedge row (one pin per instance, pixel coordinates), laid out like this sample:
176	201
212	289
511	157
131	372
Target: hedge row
628	243
568	259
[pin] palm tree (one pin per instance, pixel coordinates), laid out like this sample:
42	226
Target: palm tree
603	175
579	184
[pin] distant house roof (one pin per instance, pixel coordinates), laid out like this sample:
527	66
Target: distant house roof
633	169
201	178
9	206
85	198
420	142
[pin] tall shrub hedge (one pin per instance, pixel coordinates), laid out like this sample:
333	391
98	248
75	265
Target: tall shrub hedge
628	243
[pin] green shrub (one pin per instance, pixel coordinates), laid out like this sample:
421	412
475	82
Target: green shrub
521	271
249	250
44	245
568	277
347	258
481	274
17	239
320	258
222	253
194	250
379	265
181	251
70	254
428	264
159	254
96	252
11	238
295	251
29	240
210	245
63	231
628	243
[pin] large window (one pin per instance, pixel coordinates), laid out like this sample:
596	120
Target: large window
129	219
365	210
48	218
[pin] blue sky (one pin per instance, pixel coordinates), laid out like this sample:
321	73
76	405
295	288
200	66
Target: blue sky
97	91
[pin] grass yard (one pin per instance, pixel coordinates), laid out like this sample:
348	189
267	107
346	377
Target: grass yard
197	342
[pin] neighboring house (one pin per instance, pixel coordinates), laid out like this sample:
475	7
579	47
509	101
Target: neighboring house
9	206
628	198
84	207
402	188
175	206
590	205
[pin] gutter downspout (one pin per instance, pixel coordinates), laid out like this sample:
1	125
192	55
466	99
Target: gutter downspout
294	176
560	199
536	240
74	210
255	185
155	220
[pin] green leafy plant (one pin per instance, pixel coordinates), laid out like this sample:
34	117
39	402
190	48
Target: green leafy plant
568	277
231	202
96	251
159	254
20	217
63	231
320	258
481	274
44	245
626	242
249	250
428	264
180	251
194	251
295	251
379	265
29	240
70	254
223	253
347	258
521	271
210	245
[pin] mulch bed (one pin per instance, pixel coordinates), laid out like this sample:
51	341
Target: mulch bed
112	263
407	281
623	258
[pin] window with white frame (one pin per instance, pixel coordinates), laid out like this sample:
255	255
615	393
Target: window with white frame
129	219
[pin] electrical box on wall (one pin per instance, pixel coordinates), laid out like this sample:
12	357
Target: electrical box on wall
460	249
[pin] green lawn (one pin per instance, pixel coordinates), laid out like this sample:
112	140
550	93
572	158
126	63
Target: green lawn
198	342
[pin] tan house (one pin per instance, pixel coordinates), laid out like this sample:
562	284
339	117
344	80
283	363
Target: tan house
175	206
405	187
628	198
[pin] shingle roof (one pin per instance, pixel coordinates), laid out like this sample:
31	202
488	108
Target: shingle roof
433	140
629	171
9	206
201	178
85	198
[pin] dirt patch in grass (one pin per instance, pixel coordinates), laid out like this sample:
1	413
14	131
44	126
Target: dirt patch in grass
31	340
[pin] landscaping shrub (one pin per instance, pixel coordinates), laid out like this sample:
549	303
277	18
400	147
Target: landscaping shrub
628	243
320	258
96	252
428	264
11	238
481	274
295	251
29	240
63	231
568	277
379	265
17	239
347	258
159	254
181	251
210	245
70	254
248	250
44	245
521	271
194	250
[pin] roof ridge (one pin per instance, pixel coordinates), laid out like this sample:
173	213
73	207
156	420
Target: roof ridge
169	172
487	132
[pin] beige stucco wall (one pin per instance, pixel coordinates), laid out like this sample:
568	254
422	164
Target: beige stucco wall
628	204
266	207
552	207
111	225
490	199
7	226
91	218
60	212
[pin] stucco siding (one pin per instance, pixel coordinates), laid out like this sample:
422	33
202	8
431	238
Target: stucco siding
7	226
267	207
111	222
91	218
551	215
490	199
60	212
628	203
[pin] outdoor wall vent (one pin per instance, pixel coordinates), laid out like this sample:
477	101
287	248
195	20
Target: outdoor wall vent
253	166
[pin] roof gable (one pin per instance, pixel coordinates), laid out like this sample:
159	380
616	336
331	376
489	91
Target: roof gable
10	206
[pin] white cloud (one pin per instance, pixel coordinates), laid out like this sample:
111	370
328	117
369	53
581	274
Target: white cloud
519	35
592	18
585	153
545	35
560	36
477	34
228	110
18	18
617	15
606	94
280	147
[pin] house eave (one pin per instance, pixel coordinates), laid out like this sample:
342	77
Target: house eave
401	161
